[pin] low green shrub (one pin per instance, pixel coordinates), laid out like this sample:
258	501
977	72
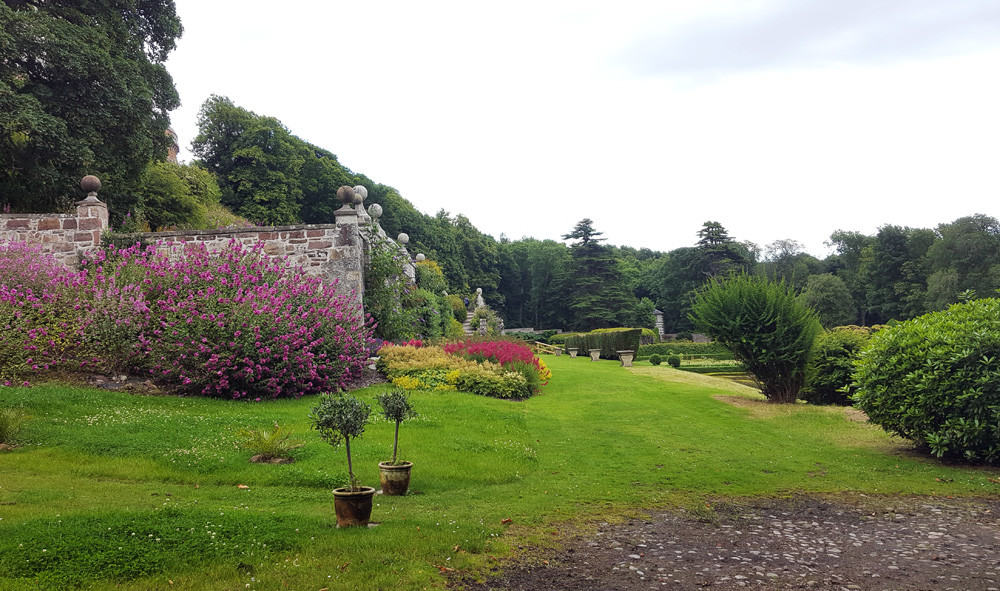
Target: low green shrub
936	381
457	308
649	336
674	361
655	359
685	348
454	330
828	375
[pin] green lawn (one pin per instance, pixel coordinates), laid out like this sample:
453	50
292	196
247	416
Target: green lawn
137	492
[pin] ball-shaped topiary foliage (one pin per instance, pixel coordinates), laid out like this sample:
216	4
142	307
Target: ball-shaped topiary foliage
339	417
396	407
655	359
828	376
674	361
936	381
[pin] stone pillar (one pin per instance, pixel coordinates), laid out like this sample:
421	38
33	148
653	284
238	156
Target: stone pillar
659	323
91	206
351	272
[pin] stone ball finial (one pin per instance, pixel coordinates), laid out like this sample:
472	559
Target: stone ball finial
420	257
345	194
361	190
357	199
403	238
90	184
375	210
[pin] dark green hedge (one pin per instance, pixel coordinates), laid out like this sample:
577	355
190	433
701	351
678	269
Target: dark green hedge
609	341
683	348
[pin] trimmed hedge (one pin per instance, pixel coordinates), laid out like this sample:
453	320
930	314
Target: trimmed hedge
684	348
608	340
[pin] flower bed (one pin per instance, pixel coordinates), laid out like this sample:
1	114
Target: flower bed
234	324
491	368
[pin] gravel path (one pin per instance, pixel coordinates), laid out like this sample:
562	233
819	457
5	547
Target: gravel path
860	543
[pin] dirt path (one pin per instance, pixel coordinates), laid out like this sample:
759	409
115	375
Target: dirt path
864	543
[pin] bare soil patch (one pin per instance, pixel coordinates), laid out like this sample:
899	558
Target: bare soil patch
807	542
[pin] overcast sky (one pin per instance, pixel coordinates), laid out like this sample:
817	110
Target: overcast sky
781	119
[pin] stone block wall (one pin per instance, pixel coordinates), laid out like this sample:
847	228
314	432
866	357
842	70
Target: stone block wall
333	251
66	236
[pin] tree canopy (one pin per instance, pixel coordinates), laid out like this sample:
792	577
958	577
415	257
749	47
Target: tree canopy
83	90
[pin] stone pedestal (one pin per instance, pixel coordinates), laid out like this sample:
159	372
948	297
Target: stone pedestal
626	357
595	354
573	351
558	352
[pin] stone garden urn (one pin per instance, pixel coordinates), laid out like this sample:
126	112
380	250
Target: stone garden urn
595	354
573	351
626	357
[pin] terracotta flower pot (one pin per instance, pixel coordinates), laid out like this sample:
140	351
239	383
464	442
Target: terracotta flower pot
395	479
354	508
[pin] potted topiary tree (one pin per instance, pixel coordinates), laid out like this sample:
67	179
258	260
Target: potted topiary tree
393	475
339	418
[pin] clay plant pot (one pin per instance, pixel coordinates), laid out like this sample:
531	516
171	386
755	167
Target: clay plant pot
354	508
395	479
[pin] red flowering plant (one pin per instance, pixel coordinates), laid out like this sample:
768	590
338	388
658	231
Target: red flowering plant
513	355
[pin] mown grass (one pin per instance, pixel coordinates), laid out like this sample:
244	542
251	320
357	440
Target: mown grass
96	467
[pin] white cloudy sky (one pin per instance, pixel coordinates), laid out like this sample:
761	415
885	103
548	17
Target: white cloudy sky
778	118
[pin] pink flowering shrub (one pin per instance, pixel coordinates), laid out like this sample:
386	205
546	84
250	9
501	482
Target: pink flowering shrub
40	319
233	324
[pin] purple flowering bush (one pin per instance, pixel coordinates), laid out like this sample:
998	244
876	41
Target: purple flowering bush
40	317
231	324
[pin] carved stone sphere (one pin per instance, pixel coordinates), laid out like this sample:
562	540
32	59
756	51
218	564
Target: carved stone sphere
420	257
403	238
361	190
375	210
357	199
90	184
345	194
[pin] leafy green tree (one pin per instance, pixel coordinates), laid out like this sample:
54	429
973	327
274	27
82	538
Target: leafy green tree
166	200
828	296
966	257
786	261
83	90
895	271
764	325
846	263
257	160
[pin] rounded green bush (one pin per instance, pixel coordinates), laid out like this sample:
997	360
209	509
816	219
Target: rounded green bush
655	359
828	375
674	361
936	381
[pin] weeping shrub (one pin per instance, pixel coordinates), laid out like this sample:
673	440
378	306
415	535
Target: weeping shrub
935	380
764	325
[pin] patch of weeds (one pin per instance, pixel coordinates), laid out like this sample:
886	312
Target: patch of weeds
268	444
12	419
703	512
73	551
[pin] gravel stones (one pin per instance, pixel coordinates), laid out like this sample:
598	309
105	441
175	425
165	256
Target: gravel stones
859	543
